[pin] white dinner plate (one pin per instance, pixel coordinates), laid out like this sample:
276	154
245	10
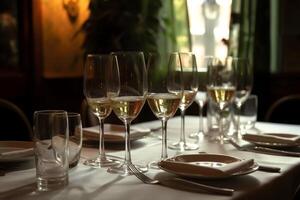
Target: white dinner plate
114	133
276	144
8	146
207	160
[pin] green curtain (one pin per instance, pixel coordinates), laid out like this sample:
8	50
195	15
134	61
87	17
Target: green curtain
242	29
175	34
250	33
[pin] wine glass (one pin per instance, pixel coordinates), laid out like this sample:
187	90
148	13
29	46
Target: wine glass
201	96
164	92
190	87
97	77
221	87
129	100
244	77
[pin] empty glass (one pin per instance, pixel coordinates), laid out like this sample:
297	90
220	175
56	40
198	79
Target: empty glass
51	136
201	96
75	138
247	114
244	77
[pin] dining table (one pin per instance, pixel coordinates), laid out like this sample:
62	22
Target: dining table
91	183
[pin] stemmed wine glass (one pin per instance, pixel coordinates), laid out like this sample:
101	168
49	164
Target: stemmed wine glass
190	87
244	77
201	96
221	87
129	100
98	71
164	92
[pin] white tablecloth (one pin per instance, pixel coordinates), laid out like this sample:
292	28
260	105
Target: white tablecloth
88	183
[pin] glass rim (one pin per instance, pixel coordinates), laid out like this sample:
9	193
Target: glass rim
96	55
45	112
126	52
73	114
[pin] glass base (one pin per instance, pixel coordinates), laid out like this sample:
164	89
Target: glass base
124	170
153	165
222	139
100	163
48	184
183	146
195	135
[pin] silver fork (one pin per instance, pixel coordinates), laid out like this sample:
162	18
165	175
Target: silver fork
148	180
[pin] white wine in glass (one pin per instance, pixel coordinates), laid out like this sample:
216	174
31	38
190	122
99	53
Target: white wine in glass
221	87
164	92
190	88
97	76
131	84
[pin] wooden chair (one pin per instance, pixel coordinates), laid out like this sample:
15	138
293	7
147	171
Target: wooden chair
14	124
285	110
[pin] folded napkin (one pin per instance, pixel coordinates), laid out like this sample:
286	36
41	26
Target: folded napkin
287	139
194	168
114	132
17	153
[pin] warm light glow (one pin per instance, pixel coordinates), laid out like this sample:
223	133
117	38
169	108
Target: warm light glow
196	17
207	33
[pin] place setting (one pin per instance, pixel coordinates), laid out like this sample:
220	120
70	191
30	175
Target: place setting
281	144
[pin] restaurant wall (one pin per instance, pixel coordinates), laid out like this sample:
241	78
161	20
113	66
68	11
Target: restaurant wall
31	90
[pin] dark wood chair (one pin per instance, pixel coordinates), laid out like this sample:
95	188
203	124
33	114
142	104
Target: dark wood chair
285	110
14	124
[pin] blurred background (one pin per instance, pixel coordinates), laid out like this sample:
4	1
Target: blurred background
43	44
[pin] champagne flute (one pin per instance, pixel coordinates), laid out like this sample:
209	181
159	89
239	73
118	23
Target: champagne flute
97	77
164	92
244	77
221	87
129	100
190	87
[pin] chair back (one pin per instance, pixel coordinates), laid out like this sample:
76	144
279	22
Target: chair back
285	110
14	124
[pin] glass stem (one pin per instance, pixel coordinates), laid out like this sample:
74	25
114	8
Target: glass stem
101	140
127	144
221	126
200	130
164	153
237	128
182	133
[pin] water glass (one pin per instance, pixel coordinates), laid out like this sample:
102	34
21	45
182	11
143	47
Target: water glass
248	114
213	121
51	137
75	138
